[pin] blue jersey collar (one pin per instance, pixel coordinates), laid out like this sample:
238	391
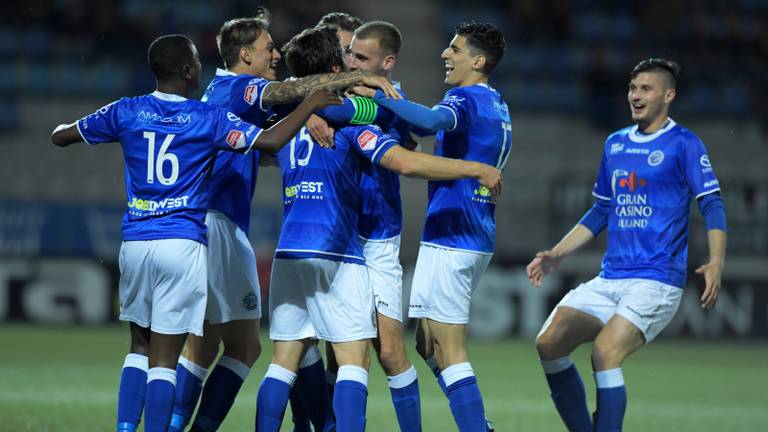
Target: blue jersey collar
224	72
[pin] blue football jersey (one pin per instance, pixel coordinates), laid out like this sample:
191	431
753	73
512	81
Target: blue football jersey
650	180
234	175
321	193
169	143
381	213
460	213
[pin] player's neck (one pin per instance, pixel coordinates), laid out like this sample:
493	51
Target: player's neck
654	125
473	79
173	87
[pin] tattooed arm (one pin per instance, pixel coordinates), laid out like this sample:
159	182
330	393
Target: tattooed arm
281	92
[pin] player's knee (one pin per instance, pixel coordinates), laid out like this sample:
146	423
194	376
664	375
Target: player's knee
392	359
253	351
548	347
606	356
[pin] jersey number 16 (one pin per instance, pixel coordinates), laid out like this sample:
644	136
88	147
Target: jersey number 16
155	166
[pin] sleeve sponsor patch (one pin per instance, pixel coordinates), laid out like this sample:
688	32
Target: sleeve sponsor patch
367	140
236	139
250	93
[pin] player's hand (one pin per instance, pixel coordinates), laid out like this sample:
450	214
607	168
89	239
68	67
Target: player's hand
712	272
379	82
542	265
361	91
490	177
320	131
323	98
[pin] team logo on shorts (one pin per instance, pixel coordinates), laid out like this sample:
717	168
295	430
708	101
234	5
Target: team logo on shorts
367	140
655	158
236	139
251	302
250	94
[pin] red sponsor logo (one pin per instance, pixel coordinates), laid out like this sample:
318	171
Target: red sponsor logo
632	182
235	139
367	140
250	94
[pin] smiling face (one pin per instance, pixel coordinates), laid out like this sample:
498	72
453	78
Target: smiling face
649	96
367	55
261	57
460	64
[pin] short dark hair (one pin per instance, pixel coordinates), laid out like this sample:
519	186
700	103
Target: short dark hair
386	33
168	54
340	21
668	67
486	38
315	50
239	32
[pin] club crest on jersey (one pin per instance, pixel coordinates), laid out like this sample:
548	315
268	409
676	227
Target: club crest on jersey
236	139
250	94
367	140
656	158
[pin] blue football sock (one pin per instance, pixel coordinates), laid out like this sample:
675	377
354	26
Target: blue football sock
219	393
432	363
273	398
567	391
130	396
189	384
311	390
464	397
350	398
611	400
404	389
161	386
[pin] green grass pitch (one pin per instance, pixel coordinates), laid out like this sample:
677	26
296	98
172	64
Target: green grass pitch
65	379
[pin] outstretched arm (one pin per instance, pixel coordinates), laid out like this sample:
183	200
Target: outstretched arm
293	90
426	166
274	138
66	134
546	261
429	119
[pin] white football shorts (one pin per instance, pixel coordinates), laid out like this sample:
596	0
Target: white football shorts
162	285
233	281
320	298
386	274
648	304
443	282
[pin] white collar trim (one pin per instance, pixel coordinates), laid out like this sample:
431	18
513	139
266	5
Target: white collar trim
224	72
638	137
168	97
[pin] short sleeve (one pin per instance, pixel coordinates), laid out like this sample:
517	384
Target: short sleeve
102	125
230	132
246	94
371	142
697	168
457	101
603	189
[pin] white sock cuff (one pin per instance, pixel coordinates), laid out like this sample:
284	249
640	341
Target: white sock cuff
330	377
311	357
194	368
161	373
402	379
609	378
138	361
281	374
235	366
352	373
457	372
556	365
